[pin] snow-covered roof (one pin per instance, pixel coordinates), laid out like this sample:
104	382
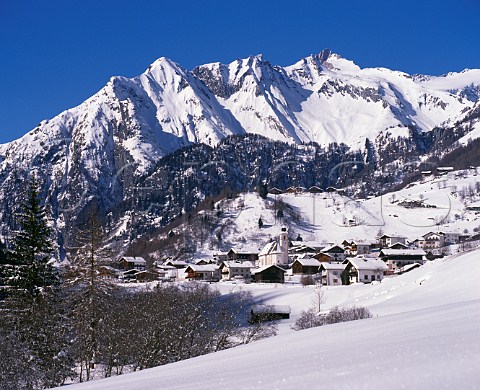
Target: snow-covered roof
366	263
136	260
332	266
403	252
308	262
203	268
271	248
261	269
329	248
245	249
236	264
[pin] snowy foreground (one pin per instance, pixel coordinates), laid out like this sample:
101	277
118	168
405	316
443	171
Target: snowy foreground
424	335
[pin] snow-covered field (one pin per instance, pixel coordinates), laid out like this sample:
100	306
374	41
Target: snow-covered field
424	335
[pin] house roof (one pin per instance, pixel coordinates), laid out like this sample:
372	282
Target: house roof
236	264
331	247
271	248
136	260
203	268
265	267
332	266
308	262
245	249
366	263
403	252
177	262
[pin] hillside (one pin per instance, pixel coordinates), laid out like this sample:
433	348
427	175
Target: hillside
424	335
443	203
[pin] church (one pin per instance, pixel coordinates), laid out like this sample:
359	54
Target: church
275	252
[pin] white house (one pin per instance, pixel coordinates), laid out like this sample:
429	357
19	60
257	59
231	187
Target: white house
331	273
276	252
364	269
386	240
231	269
208	272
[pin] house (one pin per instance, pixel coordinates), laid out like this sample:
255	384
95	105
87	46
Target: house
305	265
178	264
147	276
276	252
432	240
398	245
336	252
127	263
261	313
398	258
356	247
363	269
232	269
219	257
243	254
323	258
209	272
331	273
387	241
269	274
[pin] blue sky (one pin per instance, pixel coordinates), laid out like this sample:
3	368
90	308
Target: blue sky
54	54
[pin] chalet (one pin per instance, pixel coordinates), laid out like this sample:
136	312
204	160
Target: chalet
323	258
219	257
269	274
232	269
129	275
127	263
363	269
336	252
261	313
208	272
398	245
444	170
147	276
331	273
386	240
243	254
398	258
305	265
432	240
204	262
356	247
276	252
178	264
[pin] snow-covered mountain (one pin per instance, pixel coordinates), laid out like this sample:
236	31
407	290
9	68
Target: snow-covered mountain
98	150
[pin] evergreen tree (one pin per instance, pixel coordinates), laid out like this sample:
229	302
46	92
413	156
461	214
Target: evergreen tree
89	292
32	246
260	222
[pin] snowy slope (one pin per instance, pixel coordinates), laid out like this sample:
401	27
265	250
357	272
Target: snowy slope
425	336
325	218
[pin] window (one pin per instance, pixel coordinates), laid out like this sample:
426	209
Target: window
366	277
335	281
335	272
378	277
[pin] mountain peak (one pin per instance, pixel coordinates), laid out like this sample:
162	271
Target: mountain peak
325	54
